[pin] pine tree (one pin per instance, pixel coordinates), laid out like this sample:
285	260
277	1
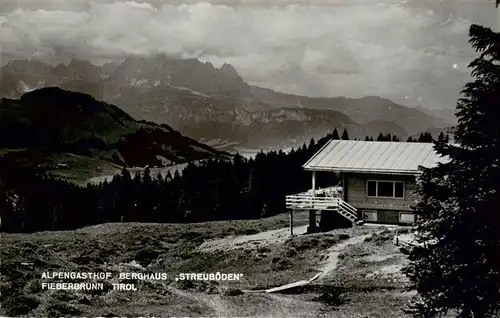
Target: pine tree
380	137
168	176
441	138
125	174
335	134
444	137
345	135
146	178
425	137
312	143
367	138
459	211
160	179
410	139
177	175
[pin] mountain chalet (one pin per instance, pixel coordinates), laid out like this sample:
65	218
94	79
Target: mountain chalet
378	183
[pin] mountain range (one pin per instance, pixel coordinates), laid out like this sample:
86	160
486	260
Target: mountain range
216	105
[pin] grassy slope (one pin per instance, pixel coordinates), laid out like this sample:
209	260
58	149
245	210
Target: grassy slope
173	248
64	122
80	168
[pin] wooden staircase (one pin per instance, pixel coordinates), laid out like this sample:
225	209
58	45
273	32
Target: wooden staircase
347	211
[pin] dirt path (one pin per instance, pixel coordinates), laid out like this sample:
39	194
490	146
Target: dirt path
333	256
263	238
278	237
269	302
328	267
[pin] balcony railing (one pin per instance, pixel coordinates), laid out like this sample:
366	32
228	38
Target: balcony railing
312	198
322	199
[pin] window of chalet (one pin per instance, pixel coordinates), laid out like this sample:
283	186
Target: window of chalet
385	189
370	215
372	188
406	217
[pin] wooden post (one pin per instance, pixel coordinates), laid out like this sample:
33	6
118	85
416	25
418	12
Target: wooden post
344	192
313	227
314	183
291	222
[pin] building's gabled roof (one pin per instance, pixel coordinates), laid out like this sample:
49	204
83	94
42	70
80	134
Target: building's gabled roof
374	157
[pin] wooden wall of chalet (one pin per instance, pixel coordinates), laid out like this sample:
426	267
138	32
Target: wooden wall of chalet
356	192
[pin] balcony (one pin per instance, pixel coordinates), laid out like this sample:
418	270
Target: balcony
327	199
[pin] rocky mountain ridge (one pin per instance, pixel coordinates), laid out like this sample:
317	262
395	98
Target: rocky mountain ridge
205	102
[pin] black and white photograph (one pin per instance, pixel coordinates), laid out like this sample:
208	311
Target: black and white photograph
250	158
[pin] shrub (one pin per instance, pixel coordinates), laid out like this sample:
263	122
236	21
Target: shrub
263	250
146	255
20	305
250	232
331	295
291	253
230	291
60	309
343	236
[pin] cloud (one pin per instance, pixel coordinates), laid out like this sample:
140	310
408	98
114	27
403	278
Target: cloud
140	5
325	49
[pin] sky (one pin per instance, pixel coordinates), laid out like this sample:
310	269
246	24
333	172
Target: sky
414	52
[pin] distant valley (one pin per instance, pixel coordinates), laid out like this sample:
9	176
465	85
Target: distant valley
215	105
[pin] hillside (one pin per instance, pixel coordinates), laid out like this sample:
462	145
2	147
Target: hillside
203	101
54	121
362	110
448	115
360	278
